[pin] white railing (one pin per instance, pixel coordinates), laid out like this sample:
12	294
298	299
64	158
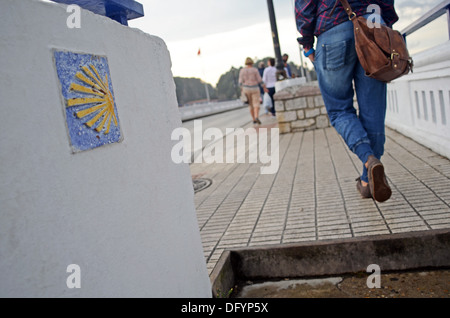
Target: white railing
201	110
419	103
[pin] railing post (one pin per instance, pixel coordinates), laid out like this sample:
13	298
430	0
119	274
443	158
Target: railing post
448	21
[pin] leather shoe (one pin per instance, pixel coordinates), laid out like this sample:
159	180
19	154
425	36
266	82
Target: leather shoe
363	190
379	187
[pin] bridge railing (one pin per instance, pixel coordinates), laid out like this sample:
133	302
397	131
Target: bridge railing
419	103
201	110
430	16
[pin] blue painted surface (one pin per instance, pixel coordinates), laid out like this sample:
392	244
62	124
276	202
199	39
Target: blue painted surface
118	10
82	137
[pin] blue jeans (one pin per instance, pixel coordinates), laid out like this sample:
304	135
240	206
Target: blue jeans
337	68
271	93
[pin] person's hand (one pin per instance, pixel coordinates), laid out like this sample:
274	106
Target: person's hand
312	57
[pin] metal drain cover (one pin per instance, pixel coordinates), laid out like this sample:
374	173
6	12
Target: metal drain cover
201	184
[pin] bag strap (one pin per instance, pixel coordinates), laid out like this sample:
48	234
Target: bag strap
347	7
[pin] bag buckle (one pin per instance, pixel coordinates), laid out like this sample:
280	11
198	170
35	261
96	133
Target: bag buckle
393	54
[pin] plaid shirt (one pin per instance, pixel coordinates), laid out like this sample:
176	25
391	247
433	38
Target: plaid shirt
313	18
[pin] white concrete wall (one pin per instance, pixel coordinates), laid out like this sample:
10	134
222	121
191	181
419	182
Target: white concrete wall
123	212
298	81
419	103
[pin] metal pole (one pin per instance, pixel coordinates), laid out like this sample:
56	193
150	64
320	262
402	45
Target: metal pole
302	67
281	73
207	93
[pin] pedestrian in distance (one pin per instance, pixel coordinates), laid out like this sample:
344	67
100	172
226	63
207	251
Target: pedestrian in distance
270	78
287	68
250	81
261	68
340	75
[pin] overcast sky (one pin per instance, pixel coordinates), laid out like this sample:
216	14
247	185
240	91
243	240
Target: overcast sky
227	31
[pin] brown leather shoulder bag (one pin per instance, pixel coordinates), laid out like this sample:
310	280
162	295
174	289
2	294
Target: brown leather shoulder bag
381	50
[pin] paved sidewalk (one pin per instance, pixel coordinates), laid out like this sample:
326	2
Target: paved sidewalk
313	195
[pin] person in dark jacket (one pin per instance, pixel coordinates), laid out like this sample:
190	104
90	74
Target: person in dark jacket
340	75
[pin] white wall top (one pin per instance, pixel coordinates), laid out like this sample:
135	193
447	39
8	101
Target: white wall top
122	211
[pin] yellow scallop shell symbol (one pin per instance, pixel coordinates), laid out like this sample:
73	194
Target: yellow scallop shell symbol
101	99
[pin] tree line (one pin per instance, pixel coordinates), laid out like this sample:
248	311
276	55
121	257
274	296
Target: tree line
190	90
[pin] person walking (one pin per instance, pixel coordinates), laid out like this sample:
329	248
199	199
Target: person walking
261	68
337	67
270	78
250	81
287	68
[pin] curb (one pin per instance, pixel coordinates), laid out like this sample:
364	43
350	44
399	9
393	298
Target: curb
392	252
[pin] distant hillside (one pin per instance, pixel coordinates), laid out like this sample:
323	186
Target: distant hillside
192	89
228	86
